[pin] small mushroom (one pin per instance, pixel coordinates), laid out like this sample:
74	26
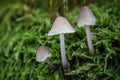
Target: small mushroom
62	26
86	18
42	55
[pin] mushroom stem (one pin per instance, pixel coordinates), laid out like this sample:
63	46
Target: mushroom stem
89	41
63	56
50	63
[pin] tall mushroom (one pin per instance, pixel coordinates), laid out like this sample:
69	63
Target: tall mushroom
86	18
62	26
42	54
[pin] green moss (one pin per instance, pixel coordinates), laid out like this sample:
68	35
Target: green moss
22	33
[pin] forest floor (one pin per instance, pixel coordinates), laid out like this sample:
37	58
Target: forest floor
23	32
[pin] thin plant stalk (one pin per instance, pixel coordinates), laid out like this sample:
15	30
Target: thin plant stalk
89	41
50	63
63	53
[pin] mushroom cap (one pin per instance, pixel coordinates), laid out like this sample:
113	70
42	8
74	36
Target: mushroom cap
86	17
61	25
42	54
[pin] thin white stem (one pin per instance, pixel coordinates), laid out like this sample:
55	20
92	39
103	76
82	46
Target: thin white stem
50	63
89	41
63	53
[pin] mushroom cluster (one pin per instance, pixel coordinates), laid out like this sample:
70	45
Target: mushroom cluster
62	26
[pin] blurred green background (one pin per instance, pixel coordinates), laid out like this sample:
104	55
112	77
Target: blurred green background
24	26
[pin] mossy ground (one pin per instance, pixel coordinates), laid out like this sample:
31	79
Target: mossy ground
22	32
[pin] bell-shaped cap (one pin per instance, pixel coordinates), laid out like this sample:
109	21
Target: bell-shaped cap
42	54
86	17
61	25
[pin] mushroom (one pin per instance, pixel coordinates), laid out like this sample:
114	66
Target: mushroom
42	54
86	18
62	26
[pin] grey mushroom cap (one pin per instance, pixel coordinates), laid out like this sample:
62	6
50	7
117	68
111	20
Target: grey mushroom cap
42	54
61	25
86	17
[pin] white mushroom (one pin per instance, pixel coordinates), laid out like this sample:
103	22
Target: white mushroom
86	18
42	54
62	26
